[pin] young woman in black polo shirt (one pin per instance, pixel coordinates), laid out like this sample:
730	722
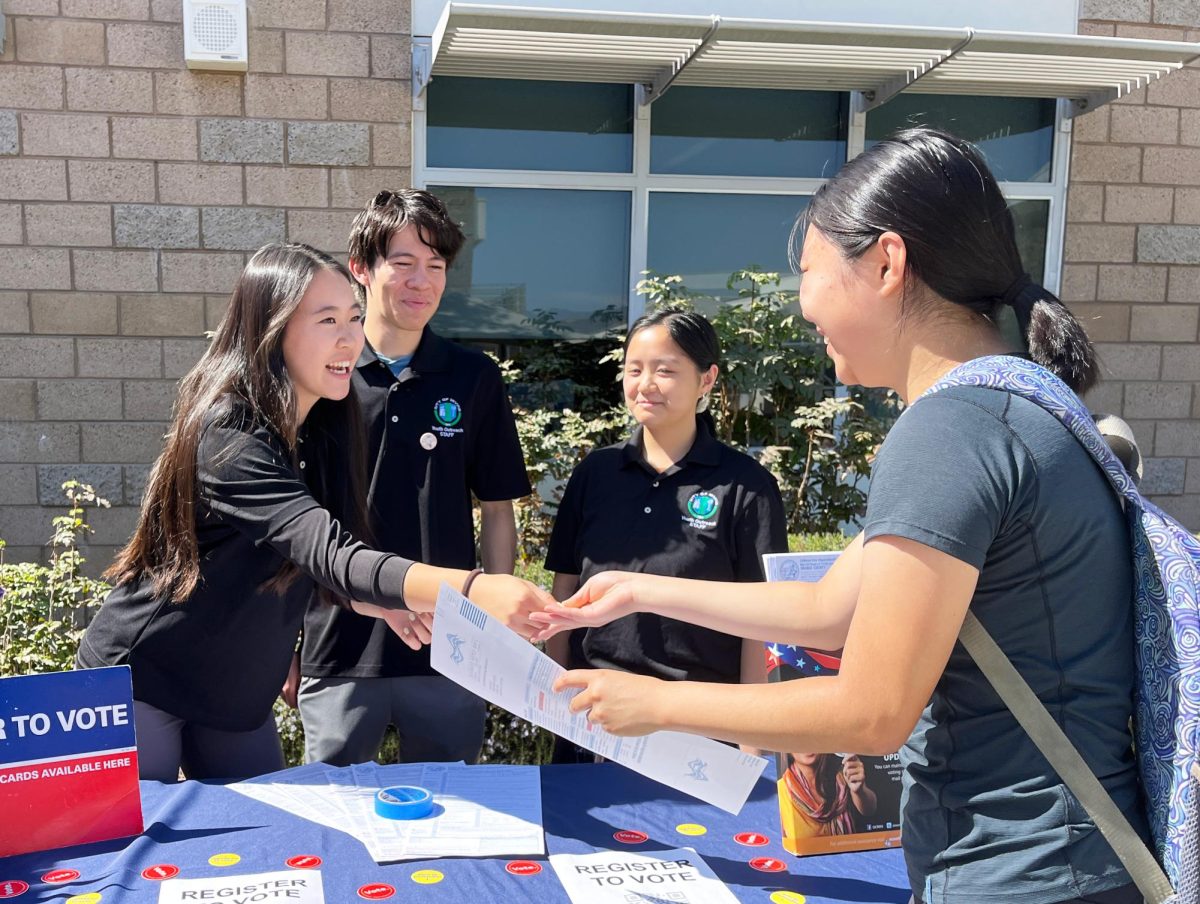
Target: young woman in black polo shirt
245	515
670	500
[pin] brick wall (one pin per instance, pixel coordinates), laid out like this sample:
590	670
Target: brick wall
1132	251
132	191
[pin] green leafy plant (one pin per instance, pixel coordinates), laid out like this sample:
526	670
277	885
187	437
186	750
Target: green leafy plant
45	608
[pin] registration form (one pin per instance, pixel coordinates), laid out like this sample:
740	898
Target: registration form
475	650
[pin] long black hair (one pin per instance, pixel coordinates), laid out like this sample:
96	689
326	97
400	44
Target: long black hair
245	362
936	192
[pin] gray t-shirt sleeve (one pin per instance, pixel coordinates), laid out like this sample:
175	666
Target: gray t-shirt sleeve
946	476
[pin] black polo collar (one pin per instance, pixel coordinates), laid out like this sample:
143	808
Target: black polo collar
705	450
432	354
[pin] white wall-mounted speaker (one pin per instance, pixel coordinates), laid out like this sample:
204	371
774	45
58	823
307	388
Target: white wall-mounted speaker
214	34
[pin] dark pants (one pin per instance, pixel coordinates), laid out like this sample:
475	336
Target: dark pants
167	743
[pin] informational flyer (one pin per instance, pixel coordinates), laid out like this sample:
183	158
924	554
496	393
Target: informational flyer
478	652
616	877
828	802
291	886
68	760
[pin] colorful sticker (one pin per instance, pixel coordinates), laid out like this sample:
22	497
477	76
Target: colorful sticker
303	861
427	877
92	897
59	876
691	828
751	839
788	897
161	871
523	867
375	891
12	888
629	836
768	865
224	859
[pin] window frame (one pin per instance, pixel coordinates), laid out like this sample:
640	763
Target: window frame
642	182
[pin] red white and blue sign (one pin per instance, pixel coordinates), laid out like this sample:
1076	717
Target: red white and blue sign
68	760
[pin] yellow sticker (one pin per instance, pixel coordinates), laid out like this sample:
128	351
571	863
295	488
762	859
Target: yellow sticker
427	877
92	897
788	897
224	859
690	828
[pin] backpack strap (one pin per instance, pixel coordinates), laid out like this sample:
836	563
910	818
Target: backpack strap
1050	739
1038	385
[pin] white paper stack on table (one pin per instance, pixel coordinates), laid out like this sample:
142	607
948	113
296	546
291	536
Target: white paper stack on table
479	811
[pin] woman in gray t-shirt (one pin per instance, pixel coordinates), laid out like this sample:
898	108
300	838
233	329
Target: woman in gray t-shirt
979	500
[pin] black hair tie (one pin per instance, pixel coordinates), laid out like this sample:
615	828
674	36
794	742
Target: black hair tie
1021	295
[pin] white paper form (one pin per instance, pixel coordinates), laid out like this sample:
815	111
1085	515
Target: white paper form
615	877
478	652
479	811
798	566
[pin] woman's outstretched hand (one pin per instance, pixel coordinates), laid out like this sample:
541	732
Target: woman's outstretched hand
605	597
511	600
619	702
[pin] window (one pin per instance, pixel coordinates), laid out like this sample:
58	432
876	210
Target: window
737	231
748	132
1016	134
569	191
537	263
509	124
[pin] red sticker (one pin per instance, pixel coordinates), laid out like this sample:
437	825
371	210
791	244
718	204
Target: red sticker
628	836
375	891
768	865
523	867
304	861
12	888
751	839
160	872
58	876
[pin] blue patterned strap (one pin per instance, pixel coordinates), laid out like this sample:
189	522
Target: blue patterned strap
1028	710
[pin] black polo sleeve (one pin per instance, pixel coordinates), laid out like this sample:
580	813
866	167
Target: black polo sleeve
246	480
562	553
761	528
497	470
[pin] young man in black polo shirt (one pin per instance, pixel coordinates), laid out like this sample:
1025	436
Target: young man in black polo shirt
440	430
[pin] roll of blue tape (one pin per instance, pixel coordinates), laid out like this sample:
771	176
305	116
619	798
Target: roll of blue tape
403	802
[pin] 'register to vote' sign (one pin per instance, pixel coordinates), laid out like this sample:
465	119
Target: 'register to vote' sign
68	760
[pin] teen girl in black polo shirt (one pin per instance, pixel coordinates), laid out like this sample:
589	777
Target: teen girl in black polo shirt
670	500
243	519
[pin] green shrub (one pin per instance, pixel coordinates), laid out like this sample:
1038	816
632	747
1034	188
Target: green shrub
44	609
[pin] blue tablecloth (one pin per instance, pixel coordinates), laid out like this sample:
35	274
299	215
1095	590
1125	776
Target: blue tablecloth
583	806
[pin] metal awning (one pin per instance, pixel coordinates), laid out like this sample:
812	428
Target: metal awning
878	61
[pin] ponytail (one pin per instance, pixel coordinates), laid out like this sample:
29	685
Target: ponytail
1055	339
936	192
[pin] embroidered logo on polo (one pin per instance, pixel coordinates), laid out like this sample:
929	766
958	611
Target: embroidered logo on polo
447	414
701	511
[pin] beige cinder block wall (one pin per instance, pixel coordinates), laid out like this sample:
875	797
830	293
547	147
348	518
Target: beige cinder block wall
1132	251
131	193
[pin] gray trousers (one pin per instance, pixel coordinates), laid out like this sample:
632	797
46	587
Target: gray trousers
166	743
345	719
1126	894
